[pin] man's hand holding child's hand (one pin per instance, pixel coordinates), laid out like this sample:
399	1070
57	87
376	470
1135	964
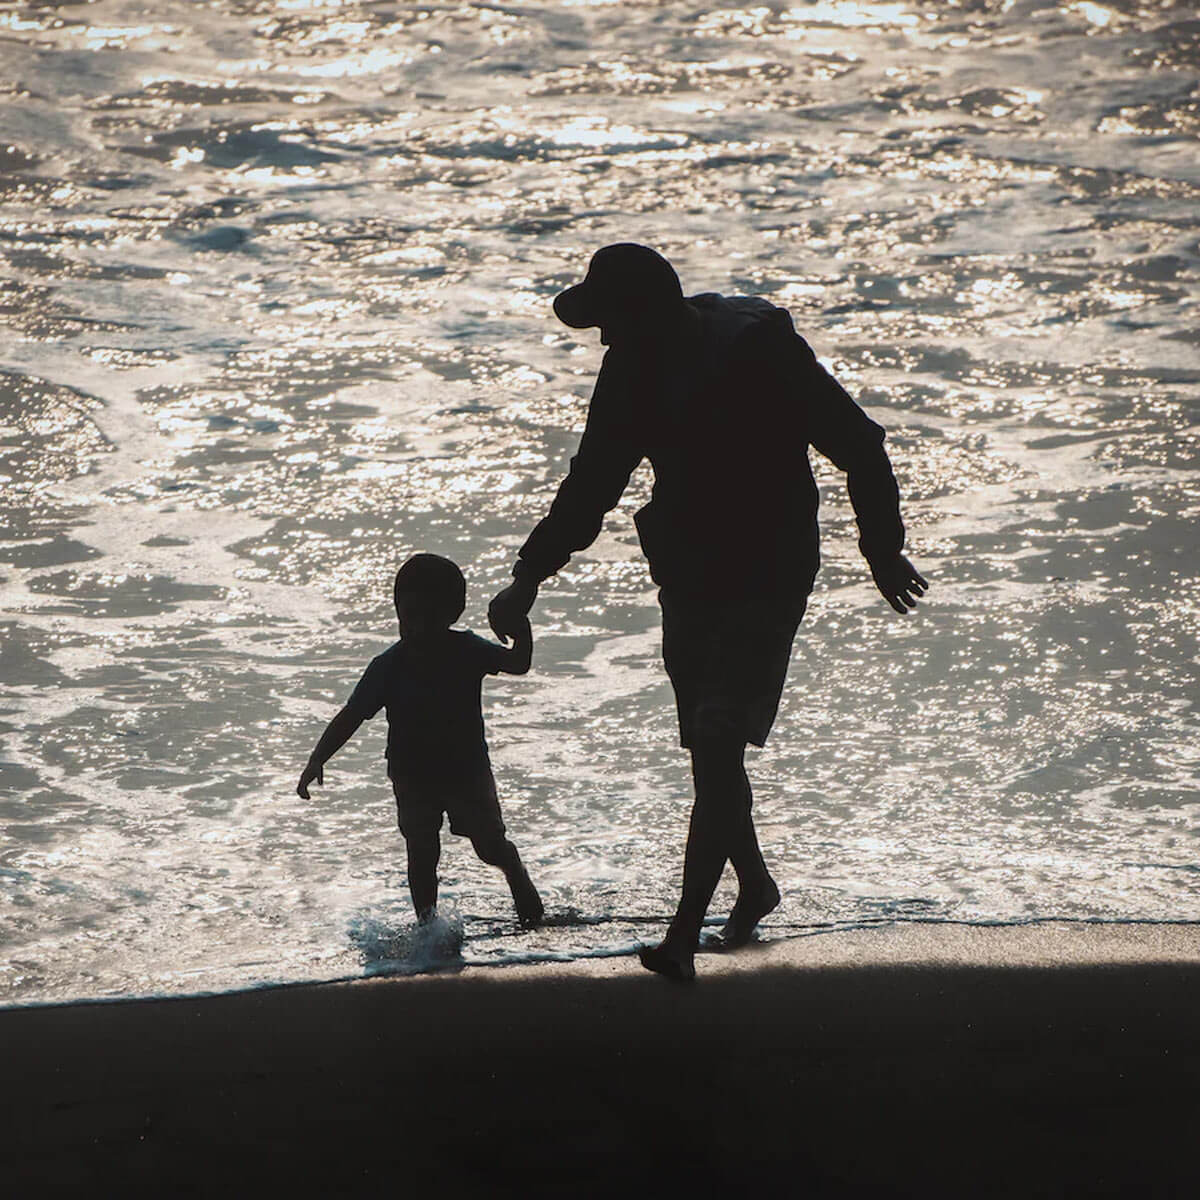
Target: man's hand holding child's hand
510	608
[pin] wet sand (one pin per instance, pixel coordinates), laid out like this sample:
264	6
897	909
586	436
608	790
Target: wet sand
1051	1060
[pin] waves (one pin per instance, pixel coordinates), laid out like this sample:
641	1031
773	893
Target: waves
276	283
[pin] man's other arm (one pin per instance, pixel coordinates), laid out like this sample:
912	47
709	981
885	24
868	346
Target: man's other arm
841	431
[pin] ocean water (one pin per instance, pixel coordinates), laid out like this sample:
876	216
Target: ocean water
274	289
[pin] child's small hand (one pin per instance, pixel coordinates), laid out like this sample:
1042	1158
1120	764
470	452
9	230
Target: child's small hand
311	774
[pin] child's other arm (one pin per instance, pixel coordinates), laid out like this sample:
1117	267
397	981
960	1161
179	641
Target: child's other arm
519	655
337	733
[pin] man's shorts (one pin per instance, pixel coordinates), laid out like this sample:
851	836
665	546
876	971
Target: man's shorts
727	665
470	802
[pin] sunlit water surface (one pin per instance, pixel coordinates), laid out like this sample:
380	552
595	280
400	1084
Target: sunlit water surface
275	280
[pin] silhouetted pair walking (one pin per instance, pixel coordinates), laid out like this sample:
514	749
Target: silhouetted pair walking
724	398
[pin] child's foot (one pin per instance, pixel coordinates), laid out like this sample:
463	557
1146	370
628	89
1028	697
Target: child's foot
427	915
675	962
748	910
530	909
530	912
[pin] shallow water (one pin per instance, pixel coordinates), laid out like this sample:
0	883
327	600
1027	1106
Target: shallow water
275	277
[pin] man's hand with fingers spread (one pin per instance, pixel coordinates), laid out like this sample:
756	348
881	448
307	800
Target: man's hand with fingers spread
899	582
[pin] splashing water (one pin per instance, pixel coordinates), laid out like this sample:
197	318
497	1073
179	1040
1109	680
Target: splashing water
391	945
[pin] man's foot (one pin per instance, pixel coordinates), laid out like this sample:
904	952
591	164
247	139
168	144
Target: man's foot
668	960
749	909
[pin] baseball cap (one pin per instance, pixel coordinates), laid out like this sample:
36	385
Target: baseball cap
620	278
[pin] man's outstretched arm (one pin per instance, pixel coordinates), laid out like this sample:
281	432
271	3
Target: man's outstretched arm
608	454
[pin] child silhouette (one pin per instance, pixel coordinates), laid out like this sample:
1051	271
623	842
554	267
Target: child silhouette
430	683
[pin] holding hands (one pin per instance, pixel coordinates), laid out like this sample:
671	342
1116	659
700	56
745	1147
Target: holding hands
508	613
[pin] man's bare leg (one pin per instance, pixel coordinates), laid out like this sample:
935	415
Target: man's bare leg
717	824
757	891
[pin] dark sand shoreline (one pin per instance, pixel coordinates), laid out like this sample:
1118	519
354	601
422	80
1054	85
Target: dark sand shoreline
1049	1060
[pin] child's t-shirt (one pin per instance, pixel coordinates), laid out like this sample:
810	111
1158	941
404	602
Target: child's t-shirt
431	690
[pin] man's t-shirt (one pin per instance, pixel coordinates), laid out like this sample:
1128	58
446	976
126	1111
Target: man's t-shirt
431	690
726	420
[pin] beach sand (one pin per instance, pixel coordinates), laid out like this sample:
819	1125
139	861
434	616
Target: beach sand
1049	1060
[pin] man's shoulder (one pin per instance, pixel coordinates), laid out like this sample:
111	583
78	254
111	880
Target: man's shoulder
717	301
751	308
730	318
739	325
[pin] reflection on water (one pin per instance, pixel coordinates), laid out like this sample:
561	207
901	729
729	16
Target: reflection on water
275	278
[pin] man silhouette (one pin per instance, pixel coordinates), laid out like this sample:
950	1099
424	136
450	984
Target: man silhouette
724	398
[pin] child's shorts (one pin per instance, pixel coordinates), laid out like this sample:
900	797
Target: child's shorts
470	803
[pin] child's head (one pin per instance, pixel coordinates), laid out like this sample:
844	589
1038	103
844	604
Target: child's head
430	591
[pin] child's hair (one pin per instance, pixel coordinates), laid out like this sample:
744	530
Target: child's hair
437	581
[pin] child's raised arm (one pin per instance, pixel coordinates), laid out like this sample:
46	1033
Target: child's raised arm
516	659
337	733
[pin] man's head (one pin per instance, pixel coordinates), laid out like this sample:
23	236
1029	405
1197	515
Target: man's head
626	286
430	591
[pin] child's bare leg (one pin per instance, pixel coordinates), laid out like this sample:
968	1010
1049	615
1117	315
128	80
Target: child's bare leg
498	851
424	850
